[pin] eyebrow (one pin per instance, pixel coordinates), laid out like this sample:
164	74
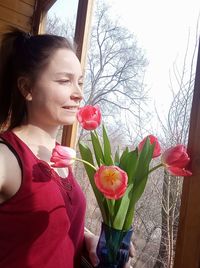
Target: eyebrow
68	74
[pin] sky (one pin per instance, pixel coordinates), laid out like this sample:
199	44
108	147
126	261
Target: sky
161	28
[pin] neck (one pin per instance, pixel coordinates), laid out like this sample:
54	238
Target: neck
37	135
41	141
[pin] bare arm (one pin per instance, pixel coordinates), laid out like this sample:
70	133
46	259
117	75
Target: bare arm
10	173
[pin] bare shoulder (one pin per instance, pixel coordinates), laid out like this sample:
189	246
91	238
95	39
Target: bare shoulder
10	173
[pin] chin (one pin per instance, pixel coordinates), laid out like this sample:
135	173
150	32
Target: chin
68	122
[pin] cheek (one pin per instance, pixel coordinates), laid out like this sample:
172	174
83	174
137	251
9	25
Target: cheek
48	93
60	95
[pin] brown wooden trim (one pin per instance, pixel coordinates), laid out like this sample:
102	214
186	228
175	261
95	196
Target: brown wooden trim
4	26
29	2
188	241
81	26
18	7
40	10
82	32
47	4
36	17
12	17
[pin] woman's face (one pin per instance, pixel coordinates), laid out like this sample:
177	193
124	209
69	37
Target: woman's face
56	95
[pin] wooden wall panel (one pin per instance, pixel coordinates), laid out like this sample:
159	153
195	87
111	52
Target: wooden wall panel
16	13
18	6
30	2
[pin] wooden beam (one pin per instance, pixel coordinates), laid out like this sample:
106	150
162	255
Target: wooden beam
40	11
18	7
82	32
37	17
12	17
188	240
47	4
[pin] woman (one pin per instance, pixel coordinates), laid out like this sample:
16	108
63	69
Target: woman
42	209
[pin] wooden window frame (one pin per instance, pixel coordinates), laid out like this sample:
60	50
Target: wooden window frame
188	241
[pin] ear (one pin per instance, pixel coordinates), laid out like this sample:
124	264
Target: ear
24	87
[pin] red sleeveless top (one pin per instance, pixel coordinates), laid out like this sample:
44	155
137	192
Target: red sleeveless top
42	225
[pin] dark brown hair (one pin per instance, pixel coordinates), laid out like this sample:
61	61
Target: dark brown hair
22	55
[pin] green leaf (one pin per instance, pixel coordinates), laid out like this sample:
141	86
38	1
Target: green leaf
129	164
121	208
141	176
97	148
142	171
107	149
117	159
125	152
86	155
111	206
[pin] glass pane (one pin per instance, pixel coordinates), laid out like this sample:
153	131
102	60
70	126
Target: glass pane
141	67
140	71
61	18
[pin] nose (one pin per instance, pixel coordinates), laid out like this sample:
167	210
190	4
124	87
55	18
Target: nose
77	93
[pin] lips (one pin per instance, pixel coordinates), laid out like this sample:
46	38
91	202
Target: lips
70	107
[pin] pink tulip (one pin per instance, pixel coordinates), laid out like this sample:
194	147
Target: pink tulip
153	140
175	160
111	181
62	156
89	117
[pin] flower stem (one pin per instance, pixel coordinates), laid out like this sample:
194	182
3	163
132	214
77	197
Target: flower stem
156	167
85	162
110	204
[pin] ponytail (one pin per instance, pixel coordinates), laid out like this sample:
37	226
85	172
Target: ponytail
11	100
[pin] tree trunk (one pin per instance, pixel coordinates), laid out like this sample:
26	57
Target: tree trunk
169	222
162	255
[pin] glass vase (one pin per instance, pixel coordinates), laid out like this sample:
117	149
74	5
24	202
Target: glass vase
113	247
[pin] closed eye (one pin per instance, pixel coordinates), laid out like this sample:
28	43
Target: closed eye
63	81
80	83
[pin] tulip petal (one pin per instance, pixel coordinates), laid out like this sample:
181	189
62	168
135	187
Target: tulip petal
176	171
153	140
111	181
176	156
89	117
62	156
90	125
175	160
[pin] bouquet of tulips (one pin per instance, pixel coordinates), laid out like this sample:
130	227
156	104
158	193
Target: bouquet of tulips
118	181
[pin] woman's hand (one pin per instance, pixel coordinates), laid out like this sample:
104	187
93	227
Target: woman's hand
91	242
132	254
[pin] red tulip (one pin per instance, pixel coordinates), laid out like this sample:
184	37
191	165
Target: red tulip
62	156
153	140
175	160
89	117
111	181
